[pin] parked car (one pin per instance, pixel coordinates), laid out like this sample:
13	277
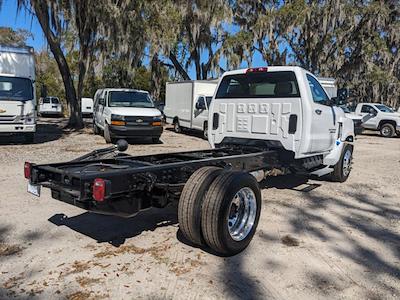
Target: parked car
385	119
50	106
261	119
126	113
187	102
87	107
17	96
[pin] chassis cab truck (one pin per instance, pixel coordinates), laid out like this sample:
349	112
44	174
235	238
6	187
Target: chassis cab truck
260	120
17	92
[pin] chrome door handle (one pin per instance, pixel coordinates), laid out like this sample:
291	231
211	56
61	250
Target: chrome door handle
318	111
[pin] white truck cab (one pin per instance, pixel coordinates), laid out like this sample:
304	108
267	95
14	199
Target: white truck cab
87	107
126	113
283	107
17	92
385	119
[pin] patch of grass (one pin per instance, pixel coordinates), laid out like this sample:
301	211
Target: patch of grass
290	241
86	281
7	250
78	296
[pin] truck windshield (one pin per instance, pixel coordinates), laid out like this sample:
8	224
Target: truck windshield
15	88
130	99
259	85
384	108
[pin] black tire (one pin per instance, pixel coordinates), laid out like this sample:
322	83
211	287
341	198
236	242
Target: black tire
387	130
339	174
205	131
155	140
107	134
96	130
190	203
217	209
177	127
29	138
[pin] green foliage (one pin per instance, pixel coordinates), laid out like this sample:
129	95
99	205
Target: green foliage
11	37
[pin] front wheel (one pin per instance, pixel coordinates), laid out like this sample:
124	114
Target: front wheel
387	130
107	134
95	128
205	131
177	127
230	212
342	169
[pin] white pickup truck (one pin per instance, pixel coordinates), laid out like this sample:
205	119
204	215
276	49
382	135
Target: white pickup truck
384	119
260	120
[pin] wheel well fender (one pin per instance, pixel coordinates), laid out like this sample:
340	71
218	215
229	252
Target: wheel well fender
383	122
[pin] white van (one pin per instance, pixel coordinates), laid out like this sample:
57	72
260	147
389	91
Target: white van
187	102
17	92
125	113
50	106
87	106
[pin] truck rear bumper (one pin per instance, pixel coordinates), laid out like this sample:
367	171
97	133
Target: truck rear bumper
6	129
135	131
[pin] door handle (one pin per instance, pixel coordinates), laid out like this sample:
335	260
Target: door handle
318	111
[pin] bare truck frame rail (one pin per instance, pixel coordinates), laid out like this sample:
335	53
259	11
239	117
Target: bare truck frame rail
123	184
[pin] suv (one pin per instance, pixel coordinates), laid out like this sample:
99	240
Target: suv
385	119
125	113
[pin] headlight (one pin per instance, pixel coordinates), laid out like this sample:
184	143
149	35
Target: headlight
29	119
157	119
117	118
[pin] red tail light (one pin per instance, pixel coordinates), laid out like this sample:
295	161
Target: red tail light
257	70
99	189
27	170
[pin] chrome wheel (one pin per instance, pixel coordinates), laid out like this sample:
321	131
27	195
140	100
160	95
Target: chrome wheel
242	214
386	131
347	163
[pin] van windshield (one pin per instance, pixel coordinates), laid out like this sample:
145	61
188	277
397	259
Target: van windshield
130	99
15	88
259	85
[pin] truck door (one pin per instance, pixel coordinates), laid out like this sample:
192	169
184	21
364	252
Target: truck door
371	123
323	123
200	113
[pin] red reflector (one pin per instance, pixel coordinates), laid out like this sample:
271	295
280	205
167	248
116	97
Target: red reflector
99	189
27	170
256	70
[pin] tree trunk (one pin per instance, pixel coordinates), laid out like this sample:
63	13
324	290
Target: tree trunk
42	10
178	66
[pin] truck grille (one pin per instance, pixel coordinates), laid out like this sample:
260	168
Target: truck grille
138	121
7	119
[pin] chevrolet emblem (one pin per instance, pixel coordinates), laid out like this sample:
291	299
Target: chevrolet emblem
2	110
139	121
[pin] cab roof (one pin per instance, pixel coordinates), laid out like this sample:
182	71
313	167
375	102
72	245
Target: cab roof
267	69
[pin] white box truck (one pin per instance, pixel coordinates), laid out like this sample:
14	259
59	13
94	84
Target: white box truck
17	92
187	102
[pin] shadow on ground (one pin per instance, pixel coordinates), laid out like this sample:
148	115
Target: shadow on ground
115	230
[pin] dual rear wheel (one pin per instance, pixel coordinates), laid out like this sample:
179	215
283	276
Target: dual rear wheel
220	209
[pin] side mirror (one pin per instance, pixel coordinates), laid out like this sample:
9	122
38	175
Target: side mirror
373	112
102	101
200	105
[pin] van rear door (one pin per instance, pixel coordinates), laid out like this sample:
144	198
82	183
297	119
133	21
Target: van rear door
258	104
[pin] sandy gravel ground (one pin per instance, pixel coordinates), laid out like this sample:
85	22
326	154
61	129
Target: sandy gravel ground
315	239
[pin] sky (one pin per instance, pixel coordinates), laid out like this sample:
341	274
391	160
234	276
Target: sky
24	20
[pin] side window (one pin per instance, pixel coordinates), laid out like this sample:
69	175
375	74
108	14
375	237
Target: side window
366	108
318	93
